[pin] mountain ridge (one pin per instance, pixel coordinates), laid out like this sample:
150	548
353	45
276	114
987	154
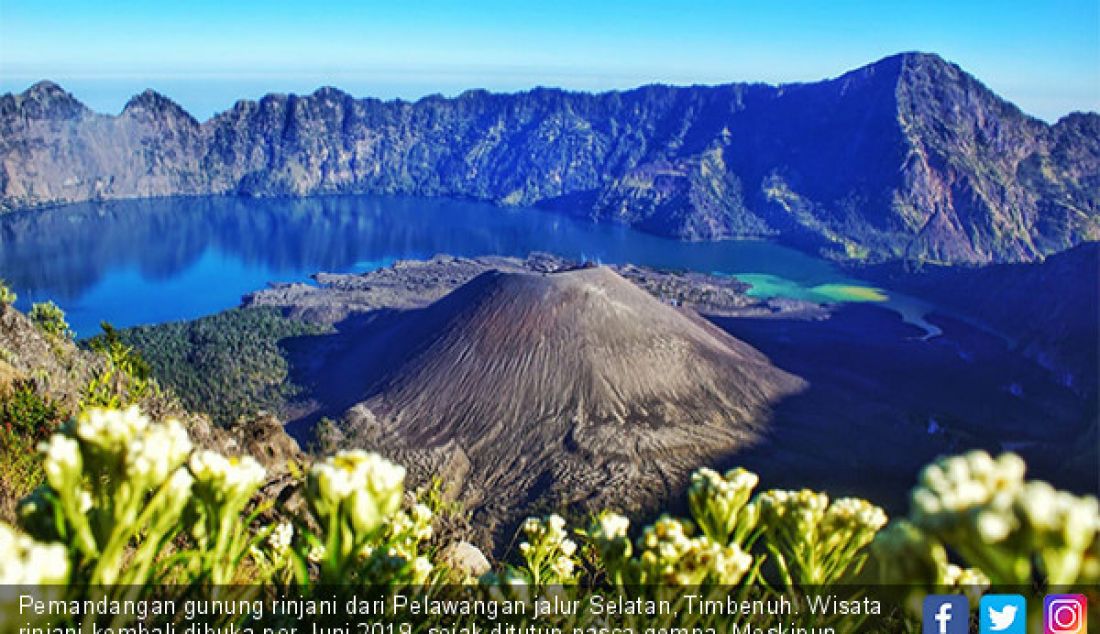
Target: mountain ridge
908	158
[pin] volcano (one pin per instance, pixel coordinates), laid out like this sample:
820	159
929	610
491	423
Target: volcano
577	385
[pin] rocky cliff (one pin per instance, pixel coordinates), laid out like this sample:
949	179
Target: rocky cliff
907	158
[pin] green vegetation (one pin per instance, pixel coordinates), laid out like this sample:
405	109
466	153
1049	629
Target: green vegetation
125	377
24	413
122	488
26	418
50	319
7	296
226	365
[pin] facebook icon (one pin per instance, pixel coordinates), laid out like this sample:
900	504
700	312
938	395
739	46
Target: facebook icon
945	614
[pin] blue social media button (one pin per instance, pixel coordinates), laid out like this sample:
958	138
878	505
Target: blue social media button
1003	614
945	614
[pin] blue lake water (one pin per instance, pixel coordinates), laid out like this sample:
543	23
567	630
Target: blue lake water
150	261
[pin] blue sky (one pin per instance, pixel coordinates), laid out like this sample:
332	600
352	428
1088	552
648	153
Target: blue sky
1044	55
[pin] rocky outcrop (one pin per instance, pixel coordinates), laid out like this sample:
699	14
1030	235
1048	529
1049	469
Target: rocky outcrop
60	372
907	158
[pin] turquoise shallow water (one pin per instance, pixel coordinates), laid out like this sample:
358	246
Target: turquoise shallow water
765	285
133	262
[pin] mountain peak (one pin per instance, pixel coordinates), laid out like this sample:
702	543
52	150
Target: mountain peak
154	103
44	87
919	57
511	365
330	92
47	100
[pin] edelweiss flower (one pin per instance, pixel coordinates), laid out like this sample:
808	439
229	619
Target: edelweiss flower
563	566
110	430
30	563
719	503
231	478
731	564
316	553
63	463
364	487
153	454
421	569
280	537
611	526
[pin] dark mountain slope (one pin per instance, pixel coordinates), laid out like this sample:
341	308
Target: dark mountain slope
1049	310
907	158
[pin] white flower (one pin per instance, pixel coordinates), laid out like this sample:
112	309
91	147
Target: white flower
421	513
280	537
339	476
611	526
110	429
557	523
857	511
421	569
28	563
568	547
563	566
153	454
731	564
365	486
332	483
316	553
232	477
63	463
993	527
179	485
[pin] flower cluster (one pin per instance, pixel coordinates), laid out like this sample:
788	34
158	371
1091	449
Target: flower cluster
803	509
851	522
813	541
395	554
120	488
111	474
608	535
720	504
356	497
280	538
916	564
407	530
225	482
27	562
669	554
547	551
364	487
983	509
223	488
28	565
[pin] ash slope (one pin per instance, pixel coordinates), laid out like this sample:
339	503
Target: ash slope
907	158
574	387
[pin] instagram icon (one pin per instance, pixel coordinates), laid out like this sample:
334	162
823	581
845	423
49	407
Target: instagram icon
1065	614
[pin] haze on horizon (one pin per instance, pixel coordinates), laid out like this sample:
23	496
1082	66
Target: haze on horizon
206	54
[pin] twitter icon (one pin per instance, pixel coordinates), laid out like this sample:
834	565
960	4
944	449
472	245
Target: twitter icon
1003	613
